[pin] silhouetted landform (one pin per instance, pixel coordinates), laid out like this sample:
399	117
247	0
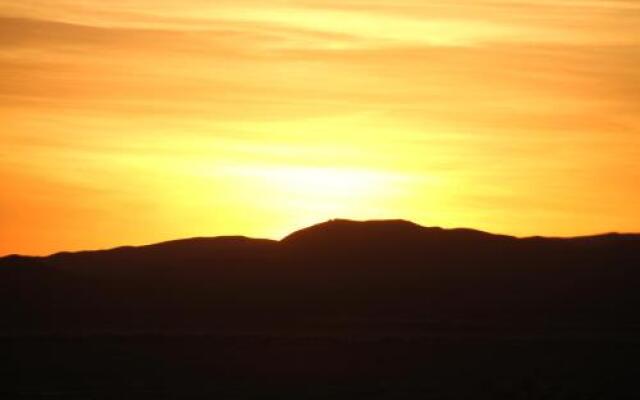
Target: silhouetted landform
388	274
340	310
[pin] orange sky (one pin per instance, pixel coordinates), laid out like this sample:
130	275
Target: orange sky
135	121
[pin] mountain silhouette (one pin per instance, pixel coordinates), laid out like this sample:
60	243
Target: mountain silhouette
336	272
340	310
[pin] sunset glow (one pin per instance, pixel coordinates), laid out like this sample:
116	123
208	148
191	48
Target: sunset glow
136	121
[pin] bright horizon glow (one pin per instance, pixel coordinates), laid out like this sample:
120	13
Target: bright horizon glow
138	121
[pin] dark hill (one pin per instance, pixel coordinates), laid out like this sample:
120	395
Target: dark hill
387	241
396	231
338	272
340	310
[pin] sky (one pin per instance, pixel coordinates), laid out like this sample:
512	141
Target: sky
137	121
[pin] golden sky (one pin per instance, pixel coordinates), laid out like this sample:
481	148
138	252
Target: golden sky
135	121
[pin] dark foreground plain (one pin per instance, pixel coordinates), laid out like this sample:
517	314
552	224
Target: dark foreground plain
341	310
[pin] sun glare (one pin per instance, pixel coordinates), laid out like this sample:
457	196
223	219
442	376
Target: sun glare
320	190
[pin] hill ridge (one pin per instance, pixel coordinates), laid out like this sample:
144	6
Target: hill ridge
323	228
